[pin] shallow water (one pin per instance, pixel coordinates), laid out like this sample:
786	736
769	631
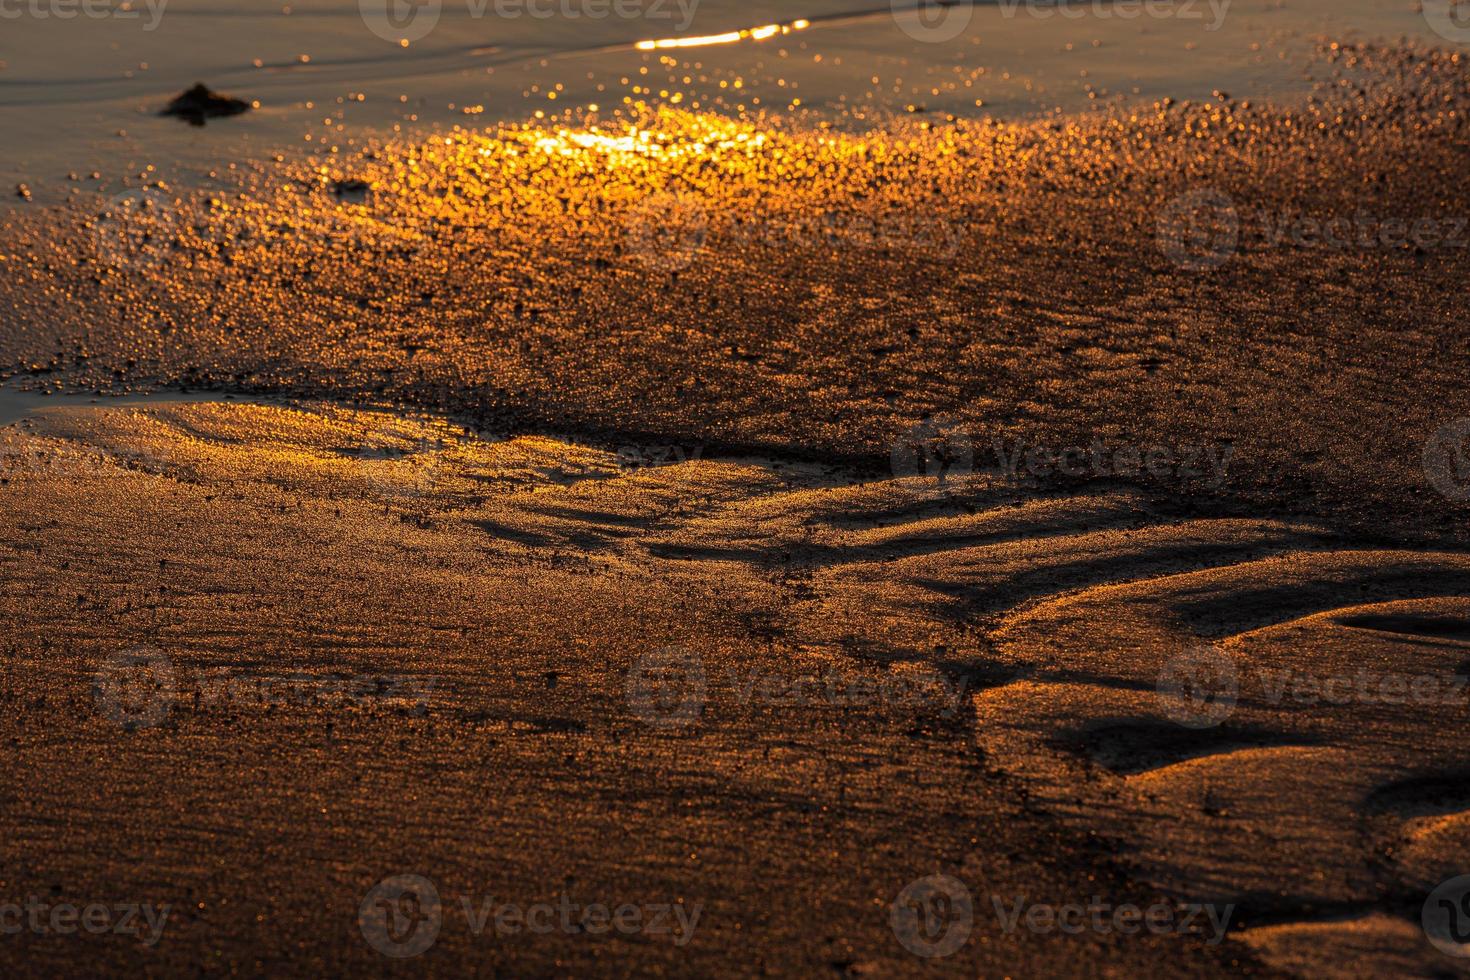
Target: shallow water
80	96
17	404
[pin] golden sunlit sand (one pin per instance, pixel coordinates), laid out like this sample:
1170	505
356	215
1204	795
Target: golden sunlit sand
807	290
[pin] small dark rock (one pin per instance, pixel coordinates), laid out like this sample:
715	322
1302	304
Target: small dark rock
352	191
199	104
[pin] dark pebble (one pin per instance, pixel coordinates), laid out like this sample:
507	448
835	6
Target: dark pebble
199	104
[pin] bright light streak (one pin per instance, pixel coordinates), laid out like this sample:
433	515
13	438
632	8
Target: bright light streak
753	33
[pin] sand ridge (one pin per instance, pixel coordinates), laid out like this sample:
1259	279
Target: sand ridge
1010	646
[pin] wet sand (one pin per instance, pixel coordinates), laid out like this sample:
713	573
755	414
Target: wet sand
422	652
755	514
1193	276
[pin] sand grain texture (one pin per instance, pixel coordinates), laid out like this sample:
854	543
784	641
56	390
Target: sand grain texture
242	542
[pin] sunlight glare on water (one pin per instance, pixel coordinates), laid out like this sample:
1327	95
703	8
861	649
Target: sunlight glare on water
730	37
